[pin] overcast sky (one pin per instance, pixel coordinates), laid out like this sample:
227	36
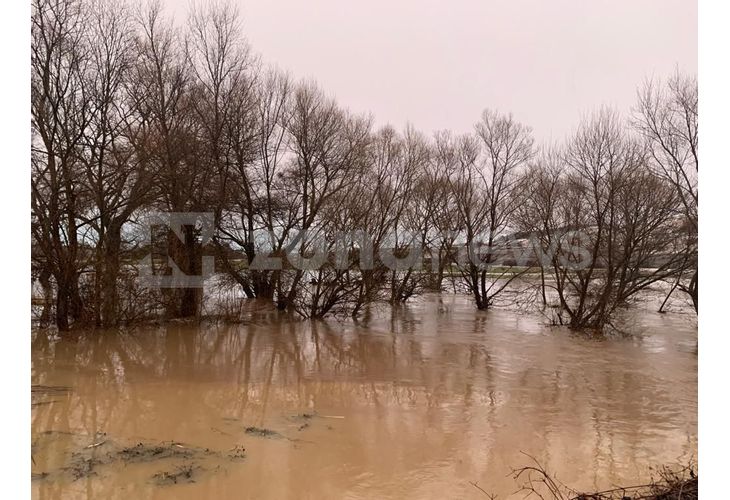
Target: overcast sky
438	64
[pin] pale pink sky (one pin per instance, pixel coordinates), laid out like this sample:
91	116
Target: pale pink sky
438	64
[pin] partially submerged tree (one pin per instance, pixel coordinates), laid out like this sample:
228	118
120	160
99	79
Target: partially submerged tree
483	186
445	223
60	111
256	215
172	144
666	116
540	191
312	209
328	147
411	235
117	182
607	223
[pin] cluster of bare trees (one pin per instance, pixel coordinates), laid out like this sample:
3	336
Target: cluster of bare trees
314	208
598	203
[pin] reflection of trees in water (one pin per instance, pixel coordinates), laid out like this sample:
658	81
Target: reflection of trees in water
289	361
477	384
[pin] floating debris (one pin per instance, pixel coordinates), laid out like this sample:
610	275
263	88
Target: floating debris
303	420
181	474
96	445
183	461
262	432
238	452
304	416
82	467
145	453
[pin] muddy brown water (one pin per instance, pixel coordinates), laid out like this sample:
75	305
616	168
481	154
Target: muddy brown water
417	402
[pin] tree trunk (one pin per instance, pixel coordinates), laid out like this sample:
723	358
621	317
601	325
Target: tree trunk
542	285
62	307
45	281
191	297
693	290
109	285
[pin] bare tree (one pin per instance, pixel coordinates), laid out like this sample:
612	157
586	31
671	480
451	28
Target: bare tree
60	114
327	147
483	183
540	191
131	115
612	224
225	101
666	116
117	183
445	222
257	202
410	234
171	144
223	97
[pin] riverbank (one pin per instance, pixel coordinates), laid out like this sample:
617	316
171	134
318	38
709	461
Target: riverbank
664	483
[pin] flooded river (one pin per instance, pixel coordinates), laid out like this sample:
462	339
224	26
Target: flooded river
418	402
